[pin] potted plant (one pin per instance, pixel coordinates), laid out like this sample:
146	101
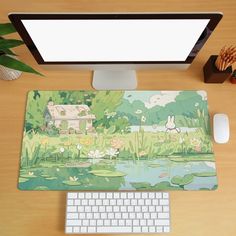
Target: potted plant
10	67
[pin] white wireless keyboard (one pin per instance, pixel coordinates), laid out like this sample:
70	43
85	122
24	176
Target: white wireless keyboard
117	212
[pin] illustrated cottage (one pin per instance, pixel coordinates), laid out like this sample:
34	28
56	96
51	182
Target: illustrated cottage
69	118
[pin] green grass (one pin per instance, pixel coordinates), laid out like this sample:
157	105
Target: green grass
41	150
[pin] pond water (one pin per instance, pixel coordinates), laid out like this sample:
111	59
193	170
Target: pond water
150	171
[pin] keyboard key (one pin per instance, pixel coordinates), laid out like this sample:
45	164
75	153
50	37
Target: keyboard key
72	222
129	222
166	229
77	202
76	230
151	195
88	195
137	229
144	195
114	222
164	202
163	215
165	195
158	195
159	229
107	222
70	202
146	215
71	209
72	215
145	229
83	229
152	229
81	195
114	229
136	222
91	229
110	215
162	222
100	223
69	230
116	195
72	195
166	209
121	222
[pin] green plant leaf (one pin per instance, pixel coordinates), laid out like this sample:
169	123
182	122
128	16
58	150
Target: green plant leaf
10	43
8	52
141	185
41	188
204	174
165	185
107	173
71	183
181	181
7	28
16	65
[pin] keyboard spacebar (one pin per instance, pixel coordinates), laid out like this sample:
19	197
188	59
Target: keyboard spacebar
114	229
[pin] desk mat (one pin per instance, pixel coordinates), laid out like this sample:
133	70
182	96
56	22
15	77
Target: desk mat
117	140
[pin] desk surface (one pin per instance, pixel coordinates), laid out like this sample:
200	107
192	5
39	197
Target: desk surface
192	213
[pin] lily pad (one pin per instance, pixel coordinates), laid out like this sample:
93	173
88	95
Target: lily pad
71	183
51	178
28	176
141	185
204	174
22	180
107	173
41	188
154	165
165	185
45	176
181	181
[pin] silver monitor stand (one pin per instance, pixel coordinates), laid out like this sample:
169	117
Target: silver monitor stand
114	80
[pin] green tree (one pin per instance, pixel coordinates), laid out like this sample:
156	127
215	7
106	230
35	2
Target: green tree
103	103
37	102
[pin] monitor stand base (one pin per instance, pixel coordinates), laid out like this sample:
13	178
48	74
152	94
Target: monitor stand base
114	80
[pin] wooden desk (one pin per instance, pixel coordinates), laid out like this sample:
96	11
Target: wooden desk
192	213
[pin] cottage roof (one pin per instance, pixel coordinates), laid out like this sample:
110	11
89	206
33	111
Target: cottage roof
69	112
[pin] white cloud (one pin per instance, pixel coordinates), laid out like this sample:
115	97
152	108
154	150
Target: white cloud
162	99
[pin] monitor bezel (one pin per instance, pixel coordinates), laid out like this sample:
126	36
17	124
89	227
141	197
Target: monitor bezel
16	19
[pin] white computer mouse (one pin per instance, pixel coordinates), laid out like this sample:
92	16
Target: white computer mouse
221	128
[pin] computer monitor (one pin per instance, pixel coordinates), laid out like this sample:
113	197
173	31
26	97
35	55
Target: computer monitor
114	45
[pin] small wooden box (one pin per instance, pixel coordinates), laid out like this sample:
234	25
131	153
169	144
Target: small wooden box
212	74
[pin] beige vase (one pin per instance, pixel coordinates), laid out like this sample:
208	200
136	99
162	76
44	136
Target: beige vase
9	74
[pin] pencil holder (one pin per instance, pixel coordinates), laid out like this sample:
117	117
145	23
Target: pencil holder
212	74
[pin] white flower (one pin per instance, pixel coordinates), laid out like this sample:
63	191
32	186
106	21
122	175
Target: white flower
138	111
181	140
31	173
143	119
73	178
57	169
112	152
96	154
62	149
79	147
196	104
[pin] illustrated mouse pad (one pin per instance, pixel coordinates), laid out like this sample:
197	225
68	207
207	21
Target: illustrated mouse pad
117	140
